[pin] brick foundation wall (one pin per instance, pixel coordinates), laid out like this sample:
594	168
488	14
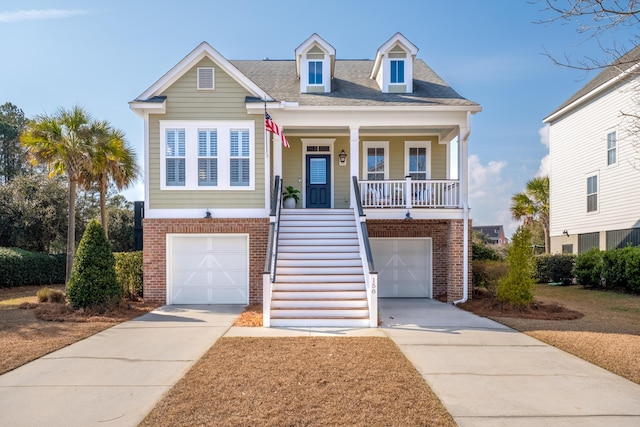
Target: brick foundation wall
447	237
155	250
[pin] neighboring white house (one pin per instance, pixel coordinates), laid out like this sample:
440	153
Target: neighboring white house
594	147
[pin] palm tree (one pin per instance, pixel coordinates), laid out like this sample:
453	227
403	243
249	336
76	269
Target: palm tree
62	142
113	162
533	205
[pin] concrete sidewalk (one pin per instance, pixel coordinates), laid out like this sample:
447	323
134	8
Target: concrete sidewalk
113	378
489	375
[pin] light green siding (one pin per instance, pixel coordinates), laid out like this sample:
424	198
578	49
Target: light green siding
185	102
341	174
292	165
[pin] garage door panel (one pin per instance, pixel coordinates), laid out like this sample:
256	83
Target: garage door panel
403	266
208	269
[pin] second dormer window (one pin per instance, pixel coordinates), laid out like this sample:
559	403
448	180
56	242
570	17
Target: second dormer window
397	71
315	72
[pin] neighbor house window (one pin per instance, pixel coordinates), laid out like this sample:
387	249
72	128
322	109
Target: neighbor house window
592	193
315	72
207	157
175	157
397	71
239	158
611	148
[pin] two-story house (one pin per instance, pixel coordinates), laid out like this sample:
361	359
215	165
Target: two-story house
594	172
382	210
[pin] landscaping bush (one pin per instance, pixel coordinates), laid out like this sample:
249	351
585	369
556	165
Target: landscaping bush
555	268
483	252
516	288
129	273
614	268
20	268
93	280
486	273
50	295
632	269
588	268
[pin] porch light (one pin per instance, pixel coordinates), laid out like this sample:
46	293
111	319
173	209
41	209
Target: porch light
207	214
566	233
343	158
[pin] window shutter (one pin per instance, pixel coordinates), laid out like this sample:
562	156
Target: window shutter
205	78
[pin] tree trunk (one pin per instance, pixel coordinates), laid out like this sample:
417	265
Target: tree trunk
71	228
547	240
104	220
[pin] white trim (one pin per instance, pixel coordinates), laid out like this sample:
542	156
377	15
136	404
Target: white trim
203	50
319	142
417	144
416	213
374	144
597	193
224	129
155	213
213	78
617	147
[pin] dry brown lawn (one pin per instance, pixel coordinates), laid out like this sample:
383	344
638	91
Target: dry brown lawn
303	381
608	333
25	336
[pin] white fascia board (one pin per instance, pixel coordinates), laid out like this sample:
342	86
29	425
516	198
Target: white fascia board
201	212
256	108
203	50
142	109
595	92
400	213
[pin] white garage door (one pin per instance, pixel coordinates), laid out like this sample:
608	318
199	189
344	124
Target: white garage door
403	266
207	269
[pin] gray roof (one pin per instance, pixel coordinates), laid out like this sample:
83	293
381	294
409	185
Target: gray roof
351	85
620	65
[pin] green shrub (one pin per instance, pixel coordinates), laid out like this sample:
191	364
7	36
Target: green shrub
129	273
20	268
588	268
50	295
486	273
555	268
632	269
482	252
93	280
516	288
614	268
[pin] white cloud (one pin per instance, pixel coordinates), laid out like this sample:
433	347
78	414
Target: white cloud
482	179
543	169
544	135
40	14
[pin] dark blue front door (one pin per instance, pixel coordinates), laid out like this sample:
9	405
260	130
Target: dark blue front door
318	181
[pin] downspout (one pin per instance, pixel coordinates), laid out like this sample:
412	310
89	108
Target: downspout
465	216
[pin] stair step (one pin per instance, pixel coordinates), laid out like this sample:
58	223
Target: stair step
320	322
285	249
310	222
317	303
320	270
307	294
315	263
327	312
285	236
300	254
285	228
306	241
319	286
329	279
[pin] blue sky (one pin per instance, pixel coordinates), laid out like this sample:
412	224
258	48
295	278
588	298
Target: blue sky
102	54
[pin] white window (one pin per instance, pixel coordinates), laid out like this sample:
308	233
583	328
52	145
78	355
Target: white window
592	193
315	72
612	157
239	158
417	159
376	160
397	71
207	155
175	157
206	78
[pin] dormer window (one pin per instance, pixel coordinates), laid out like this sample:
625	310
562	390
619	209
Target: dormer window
393	67
314	65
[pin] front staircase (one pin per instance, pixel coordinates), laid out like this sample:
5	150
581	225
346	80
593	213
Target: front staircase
319	278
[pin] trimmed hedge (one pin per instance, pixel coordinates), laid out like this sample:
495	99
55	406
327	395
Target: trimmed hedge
615	269
129	273
21	268
555	268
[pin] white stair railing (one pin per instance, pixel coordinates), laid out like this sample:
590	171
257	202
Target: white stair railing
269	273
408	193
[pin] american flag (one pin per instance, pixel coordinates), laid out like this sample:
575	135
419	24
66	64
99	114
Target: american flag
274	128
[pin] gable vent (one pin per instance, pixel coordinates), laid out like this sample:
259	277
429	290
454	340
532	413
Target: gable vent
205	78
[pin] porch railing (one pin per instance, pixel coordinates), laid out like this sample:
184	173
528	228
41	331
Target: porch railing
269	273
408	193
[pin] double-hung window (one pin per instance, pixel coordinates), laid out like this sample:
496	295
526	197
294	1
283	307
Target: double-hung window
175	155
397	71
418	162
207	157
592	193
239	158
375	163
315	72
612	157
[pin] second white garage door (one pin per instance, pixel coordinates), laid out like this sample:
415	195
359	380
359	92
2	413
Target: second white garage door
207	269
403	266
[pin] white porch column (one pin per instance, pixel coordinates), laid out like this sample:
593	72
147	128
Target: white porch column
354	159
463	164
277	155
